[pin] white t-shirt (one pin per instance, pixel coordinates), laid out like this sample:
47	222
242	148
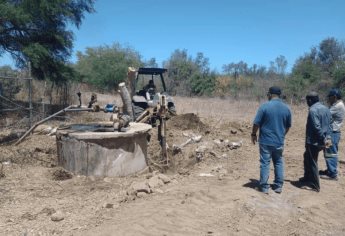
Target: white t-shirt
338	113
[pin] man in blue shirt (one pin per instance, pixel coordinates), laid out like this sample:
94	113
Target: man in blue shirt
318	138
273	119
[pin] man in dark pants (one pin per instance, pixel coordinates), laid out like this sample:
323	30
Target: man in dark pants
318	138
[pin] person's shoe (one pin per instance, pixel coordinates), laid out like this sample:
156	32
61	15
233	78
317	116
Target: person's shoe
278	190
263	190
303	180
310	188
329	177
323	172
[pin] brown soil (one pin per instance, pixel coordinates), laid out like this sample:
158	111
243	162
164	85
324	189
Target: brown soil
215	196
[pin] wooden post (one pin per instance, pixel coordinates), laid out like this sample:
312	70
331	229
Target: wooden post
30	95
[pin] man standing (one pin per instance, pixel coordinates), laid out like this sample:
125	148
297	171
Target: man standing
273	118
337	110
317	138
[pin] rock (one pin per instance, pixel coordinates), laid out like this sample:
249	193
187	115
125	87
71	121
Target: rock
183	171
107	180
149	175
108	205
155	182
91	178
139	187
48	211
200	152
212	153
164	178
57	216
141	194
233	131
29	216
158	190
221	177
217	141
302	220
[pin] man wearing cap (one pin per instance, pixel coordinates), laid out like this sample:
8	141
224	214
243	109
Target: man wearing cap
318	138
273	119
337	110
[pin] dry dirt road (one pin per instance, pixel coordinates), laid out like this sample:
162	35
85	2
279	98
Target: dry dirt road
216	196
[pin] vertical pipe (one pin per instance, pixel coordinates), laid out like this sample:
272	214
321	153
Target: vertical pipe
127	101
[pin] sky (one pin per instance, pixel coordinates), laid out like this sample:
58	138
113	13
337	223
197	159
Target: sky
225	31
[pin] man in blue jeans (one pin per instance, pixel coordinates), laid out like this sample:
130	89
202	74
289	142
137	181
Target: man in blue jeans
337	110
273	119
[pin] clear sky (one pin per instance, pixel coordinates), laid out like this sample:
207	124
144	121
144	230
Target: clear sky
255	31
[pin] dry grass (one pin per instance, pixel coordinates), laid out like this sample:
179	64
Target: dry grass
230	109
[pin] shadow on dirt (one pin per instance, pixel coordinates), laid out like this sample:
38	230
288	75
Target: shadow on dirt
253	183
302	185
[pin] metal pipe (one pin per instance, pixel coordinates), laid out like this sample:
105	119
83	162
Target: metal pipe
40	122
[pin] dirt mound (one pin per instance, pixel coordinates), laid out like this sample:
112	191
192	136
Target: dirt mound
34	150
180	129
188	121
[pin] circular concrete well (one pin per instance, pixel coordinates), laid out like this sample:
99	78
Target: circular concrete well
92	150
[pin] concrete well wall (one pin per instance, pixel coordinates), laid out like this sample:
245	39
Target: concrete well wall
103	153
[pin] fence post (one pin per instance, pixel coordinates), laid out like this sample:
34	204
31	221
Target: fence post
30	95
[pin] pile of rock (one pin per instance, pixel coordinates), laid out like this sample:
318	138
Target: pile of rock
152	184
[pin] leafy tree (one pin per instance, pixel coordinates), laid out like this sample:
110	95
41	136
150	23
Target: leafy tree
319	69
188	76
36	31
281	64
202	80
330	52
105	66
151	63
180	68
236	69
339	74
306	74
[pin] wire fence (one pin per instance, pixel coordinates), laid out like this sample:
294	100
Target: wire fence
10	84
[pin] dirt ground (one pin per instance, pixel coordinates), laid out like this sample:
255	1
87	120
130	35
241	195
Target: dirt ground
214	196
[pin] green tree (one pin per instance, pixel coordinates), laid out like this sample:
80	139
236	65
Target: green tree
281	64
36	31
306	74
188	75
106	66
202	80
151	63
339	75
330	52
236	69
180	68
